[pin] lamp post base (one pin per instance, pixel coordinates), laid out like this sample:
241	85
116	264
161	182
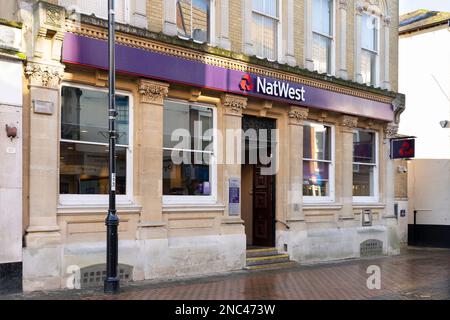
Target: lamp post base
111	285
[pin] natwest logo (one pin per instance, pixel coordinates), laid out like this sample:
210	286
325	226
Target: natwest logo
246	83
273	88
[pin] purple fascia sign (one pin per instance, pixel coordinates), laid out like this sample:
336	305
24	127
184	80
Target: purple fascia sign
90	52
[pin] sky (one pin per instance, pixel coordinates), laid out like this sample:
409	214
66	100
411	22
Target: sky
412	5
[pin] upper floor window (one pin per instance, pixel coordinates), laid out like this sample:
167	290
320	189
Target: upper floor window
365	166
322	26
265	20
318	169
99	8
84	147
369	49
194	19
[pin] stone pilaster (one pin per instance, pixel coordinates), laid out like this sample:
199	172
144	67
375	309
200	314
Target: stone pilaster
390	131
359	9
139	14
42	254
232	128
309	64
296	117
386	83
347	126
224	37
342	63
247	26
170	17
290	42
150	128
44	72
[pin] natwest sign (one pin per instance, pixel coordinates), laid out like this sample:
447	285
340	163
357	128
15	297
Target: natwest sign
274	88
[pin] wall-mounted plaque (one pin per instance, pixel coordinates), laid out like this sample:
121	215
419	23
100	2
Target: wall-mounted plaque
45	107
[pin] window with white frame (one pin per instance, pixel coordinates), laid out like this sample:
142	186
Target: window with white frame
322	26
84	148
318	171
265	20
369	48
99	8
189	168
194	19
365	166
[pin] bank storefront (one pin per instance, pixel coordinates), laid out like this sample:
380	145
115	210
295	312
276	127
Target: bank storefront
214	155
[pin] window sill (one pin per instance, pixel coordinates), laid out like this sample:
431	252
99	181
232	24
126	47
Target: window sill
62	210
206	207
322	206
369	205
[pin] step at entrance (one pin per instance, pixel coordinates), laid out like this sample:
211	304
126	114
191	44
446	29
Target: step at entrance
267	258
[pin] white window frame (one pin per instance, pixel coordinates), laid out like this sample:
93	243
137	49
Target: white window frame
278	44
101	199
126	13
331	171
332	37
377	52
376	170
211	26
198	199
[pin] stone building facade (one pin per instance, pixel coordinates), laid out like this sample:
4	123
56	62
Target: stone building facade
332	192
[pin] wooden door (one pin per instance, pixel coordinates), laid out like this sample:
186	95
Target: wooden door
263	209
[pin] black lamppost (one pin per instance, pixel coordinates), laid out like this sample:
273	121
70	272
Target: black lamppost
112	221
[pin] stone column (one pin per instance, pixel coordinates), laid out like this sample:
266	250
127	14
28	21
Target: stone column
224	40
231	149
247	27
296	115
170	17
347	125
342	67
290	43
139	14
358	24
385	83
150	135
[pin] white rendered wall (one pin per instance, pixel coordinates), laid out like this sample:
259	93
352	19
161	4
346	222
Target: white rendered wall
429	191
424	76
10	162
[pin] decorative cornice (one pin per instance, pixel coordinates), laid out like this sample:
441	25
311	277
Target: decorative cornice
234	104
219	61
390	130
349	122
297	115
42	75
152	91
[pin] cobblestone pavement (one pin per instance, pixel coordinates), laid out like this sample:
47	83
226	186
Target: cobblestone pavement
415	274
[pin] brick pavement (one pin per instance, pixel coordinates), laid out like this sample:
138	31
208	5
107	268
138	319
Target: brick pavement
416	274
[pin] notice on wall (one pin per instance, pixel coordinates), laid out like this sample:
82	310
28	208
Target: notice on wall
234	186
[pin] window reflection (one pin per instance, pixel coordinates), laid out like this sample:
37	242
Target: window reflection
316	159
84	157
